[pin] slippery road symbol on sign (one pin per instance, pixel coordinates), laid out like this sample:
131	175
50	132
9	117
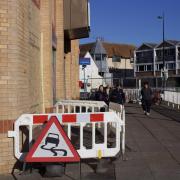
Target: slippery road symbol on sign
52	145
53	139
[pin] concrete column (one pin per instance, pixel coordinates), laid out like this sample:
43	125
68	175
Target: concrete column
46	30
60	62
154	61
176	60
135	64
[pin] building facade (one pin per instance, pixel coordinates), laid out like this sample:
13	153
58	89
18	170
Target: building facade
39	55
113	60
89	76
148	59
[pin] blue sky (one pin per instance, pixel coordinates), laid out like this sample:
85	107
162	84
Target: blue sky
134	21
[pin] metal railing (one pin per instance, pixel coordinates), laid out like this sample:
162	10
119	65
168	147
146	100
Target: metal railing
172	97
132	95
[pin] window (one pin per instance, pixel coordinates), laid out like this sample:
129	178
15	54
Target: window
157	67
141	68
178	67
116	59
171	66
159	53
172	52
149	67
137	68
160	67
100	57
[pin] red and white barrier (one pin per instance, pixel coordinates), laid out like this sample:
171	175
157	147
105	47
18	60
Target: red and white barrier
74	119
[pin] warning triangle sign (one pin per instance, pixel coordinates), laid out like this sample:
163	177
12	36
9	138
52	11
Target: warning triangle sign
52	145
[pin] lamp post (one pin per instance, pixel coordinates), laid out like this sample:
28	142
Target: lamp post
84	69
163	19
164	71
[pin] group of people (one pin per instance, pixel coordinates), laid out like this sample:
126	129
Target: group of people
109	94
116	95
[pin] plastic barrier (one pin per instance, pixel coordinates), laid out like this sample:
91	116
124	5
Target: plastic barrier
95	106
132	95
120	110
70	120
172	97
79	106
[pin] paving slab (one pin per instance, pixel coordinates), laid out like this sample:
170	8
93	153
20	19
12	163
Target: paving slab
152	151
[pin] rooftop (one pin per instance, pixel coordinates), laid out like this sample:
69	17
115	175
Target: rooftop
145	46
111	49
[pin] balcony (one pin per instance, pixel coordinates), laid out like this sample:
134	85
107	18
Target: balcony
167	58
76	19
144	60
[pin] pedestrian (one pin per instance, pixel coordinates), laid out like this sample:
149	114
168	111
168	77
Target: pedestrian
118	96
146	94
100	94
107	94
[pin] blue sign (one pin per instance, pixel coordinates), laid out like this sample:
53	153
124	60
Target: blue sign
84	61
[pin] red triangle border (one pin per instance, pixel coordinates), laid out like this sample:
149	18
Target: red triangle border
30	158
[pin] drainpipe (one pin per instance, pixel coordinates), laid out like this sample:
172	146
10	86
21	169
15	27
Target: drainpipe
42	74
64	77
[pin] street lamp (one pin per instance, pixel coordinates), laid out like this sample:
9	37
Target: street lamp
164	71
84	69
163	19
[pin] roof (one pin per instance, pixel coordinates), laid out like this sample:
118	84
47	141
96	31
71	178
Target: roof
170	42
146	46
152	45
174	42
98	48
112	49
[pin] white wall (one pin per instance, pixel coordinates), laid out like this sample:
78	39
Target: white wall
91	71
124	64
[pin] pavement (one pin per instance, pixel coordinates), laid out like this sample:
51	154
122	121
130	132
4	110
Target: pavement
152	151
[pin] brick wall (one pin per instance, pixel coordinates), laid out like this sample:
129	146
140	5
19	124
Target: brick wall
75	70
20	87
26	65
60	71
7	159
20	56
46	30
72	71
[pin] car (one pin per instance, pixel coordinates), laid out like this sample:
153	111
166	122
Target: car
52	138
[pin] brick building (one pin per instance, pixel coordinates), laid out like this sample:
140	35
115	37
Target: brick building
39	52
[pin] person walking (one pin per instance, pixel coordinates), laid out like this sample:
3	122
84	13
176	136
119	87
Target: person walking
146	94
107	94
101	95
118	96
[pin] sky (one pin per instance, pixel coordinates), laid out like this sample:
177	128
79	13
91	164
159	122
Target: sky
134	21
